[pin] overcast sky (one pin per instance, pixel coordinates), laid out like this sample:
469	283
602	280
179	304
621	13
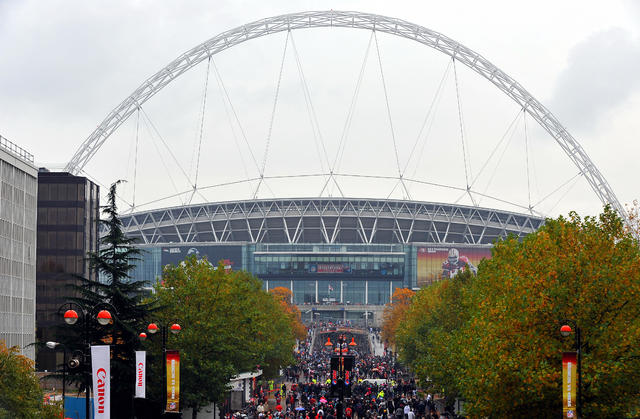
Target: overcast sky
66	64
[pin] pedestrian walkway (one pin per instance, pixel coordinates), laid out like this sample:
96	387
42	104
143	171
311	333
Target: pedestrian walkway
376	345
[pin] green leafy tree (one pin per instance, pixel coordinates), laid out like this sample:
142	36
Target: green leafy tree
427	336
229	325
20	393
500	341
114	261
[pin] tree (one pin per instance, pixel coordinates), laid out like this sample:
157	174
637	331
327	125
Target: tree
284	296
229	325
114	261
427	335
20	393
394	312
502	329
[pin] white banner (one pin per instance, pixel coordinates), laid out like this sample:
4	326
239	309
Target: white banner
101	371
141	371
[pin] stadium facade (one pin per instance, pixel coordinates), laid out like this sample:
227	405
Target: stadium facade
341	258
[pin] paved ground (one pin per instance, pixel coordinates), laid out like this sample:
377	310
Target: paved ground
377	345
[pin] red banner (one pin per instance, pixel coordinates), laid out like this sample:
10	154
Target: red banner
173	381
569	380
330	268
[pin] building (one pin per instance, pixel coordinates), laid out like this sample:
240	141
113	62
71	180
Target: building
341	258
18	189
68	214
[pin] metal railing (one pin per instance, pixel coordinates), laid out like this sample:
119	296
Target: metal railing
15	150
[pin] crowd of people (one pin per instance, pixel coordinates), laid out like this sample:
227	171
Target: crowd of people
380	389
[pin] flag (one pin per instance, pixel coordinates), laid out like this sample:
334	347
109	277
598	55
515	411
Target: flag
101	370
173	381
141	362
330	288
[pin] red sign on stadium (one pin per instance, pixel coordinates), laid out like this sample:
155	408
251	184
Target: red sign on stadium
330	268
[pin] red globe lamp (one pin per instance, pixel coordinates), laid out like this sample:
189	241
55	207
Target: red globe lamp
104	317
565	330
70	317
152	328
175	328
142	336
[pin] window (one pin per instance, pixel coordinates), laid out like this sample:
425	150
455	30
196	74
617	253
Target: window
378	292
353	292
304	292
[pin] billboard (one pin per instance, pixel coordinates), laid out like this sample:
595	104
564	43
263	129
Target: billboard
330	268
437	262
231	256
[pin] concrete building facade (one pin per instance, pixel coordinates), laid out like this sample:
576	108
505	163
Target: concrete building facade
18	191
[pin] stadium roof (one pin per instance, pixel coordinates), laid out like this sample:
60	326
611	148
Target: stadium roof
327	220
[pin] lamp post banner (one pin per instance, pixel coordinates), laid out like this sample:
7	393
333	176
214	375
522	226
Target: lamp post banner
101	372
569	384
141	371
173	381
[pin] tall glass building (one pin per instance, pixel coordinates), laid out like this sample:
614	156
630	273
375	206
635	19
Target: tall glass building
68	214
18	189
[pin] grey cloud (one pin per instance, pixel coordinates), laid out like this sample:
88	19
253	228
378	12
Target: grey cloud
602	72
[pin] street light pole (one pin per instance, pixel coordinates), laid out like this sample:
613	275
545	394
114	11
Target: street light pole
341	350
103	317
164	329
565	331
53	345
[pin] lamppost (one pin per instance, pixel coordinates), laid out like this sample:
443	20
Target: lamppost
565	331
54	345
153	328
71	317
341	366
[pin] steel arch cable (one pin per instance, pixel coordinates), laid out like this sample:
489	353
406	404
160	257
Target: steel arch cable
273	115
356	20
204	107
135	164
342	144
393	131
526	150
467	164
226	104
427	119
313	116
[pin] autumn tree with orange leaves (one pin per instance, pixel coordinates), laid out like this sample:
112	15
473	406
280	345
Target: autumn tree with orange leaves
285	297
494	339
395	311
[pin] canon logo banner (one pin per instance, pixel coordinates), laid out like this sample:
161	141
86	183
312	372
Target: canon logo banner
141	364
101	371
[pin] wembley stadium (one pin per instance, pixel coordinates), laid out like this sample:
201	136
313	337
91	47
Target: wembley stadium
342	257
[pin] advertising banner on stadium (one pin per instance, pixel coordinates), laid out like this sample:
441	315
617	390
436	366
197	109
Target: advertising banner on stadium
437	262
230	256
330	268
101	372
141	371
569	380
173	381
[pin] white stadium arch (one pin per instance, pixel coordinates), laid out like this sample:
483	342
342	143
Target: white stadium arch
357	20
